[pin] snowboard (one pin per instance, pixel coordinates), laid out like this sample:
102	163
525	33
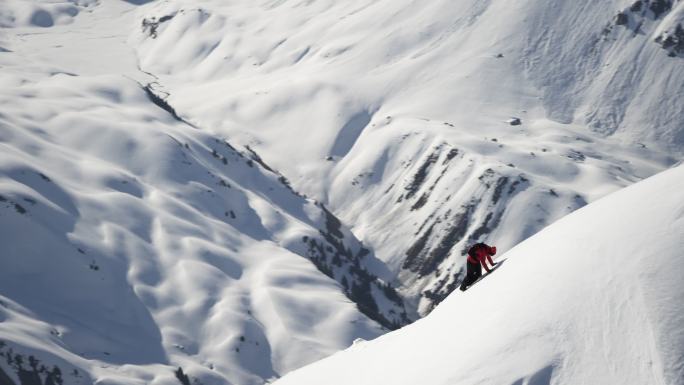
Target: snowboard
498	264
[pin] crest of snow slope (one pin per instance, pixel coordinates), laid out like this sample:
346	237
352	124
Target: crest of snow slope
595	298
134	244
394	112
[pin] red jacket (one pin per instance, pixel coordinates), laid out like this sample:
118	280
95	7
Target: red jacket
482	255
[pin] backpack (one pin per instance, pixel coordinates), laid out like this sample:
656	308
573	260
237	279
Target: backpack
474	248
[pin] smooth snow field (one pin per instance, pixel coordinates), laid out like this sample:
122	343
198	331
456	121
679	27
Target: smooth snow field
595	298
225	191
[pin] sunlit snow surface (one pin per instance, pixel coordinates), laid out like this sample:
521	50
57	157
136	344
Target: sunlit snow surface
595	298
135	243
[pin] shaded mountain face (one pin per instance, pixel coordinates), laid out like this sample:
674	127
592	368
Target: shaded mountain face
221	192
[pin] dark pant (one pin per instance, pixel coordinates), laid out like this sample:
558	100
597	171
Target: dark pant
473	272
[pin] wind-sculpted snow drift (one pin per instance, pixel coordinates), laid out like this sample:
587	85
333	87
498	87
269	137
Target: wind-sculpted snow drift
595	298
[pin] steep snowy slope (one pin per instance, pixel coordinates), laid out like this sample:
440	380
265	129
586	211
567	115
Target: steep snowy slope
236	187
595	298
134	243
397	113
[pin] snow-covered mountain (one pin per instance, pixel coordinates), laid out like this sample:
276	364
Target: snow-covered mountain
594	298
400	111
135	243
220	192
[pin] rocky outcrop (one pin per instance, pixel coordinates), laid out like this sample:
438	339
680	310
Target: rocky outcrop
635	16
672	41
150	25
30	370
450	233
333	257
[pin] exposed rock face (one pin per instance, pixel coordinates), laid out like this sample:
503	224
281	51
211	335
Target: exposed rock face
471	223
634	17
514	121
30	370
333	257
621	19
673	42
659	7
151	25
649	8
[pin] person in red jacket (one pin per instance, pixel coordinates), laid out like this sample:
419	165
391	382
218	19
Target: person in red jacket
478	256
